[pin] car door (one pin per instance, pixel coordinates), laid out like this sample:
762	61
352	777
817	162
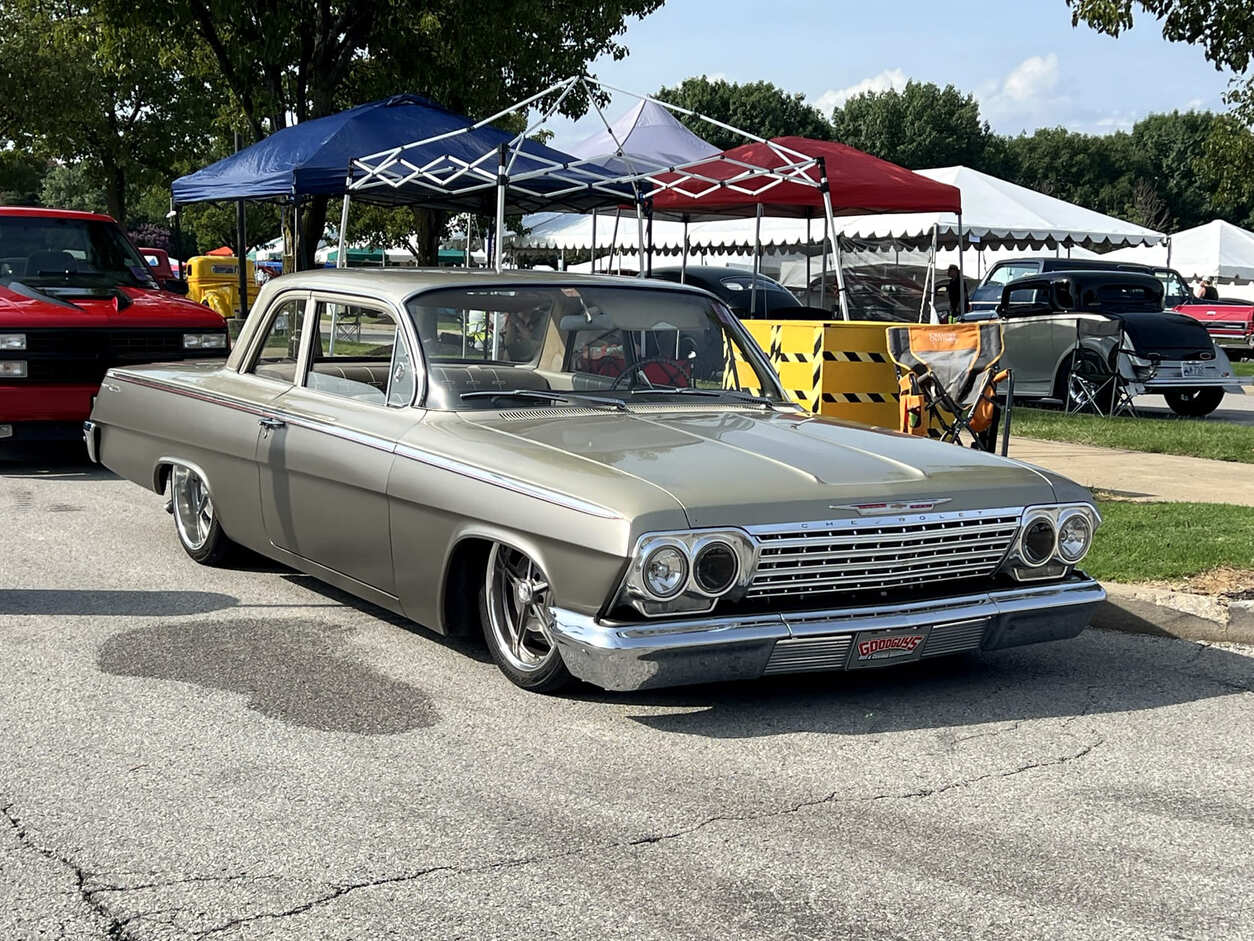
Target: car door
328	447
1032	334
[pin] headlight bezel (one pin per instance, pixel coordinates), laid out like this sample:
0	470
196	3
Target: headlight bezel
691	598
12	342
1065	518
1022	569
14	369
210	340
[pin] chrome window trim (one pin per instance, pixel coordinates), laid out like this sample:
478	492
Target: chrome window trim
256	342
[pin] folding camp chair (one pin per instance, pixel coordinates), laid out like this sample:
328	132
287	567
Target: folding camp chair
947	376
1101	377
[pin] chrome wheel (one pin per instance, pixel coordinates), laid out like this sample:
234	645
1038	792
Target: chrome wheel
193	507
518	600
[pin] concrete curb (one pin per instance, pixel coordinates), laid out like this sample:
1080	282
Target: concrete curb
1140	610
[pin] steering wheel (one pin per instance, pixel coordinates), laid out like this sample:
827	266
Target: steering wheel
637	368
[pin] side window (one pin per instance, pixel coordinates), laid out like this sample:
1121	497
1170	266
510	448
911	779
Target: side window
280	346
360	354
1025	299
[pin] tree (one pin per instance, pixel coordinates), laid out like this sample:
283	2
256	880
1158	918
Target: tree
283	63
757	107
78	88
21	177
73	186
923	125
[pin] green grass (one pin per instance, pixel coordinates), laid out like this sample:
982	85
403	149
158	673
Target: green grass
1244	368
1221	441
1140	542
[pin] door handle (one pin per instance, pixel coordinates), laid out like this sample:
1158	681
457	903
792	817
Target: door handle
271	422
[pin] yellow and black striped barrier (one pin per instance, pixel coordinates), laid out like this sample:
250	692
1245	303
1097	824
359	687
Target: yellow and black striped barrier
836	368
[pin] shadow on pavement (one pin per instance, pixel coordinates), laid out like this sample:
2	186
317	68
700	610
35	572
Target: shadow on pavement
1098	672
102	602
49	460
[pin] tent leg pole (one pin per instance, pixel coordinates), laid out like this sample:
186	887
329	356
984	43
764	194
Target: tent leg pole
809	245
683	256
649	257
178	241
341	257
962	280
639	237
500	222
825	188
757	260
594	242
823	269
609	264
295	236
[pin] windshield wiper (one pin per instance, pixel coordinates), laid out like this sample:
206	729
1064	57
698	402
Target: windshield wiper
736	394
544	396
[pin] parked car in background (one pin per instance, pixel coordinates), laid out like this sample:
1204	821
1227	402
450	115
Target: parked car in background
163	270
874	295
75	299
1230	322
451	446
1168	354
764	299
213	280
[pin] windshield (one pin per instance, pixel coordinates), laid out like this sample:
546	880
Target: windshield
499	346
48	252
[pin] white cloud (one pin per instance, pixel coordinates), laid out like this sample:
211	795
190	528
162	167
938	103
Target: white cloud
894	79
1031	80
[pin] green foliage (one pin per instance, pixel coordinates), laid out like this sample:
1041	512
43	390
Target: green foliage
21	177
1140	542
73	186
75	86
923	125
1223	28
757	107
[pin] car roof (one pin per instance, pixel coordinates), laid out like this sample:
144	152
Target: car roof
1055	263
1089	277
43	212
400	284
712	272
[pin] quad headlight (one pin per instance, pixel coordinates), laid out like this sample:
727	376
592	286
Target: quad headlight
1051	539
12	341
204	341
12	369
687	572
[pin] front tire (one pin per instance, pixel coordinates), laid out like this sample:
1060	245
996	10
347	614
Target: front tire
1194	403
196	518
514	609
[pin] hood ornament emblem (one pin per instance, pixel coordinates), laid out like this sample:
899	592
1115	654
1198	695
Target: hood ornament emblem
881	509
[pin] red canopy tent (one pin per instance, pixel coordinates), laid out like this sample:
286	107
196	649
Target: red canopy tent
794	177
859	183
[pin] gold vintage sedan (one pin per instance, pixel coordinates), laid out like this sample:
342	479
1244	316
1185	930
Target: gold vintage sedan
603	476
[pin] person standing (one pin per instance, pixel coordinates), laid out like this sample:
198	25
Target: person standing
954	288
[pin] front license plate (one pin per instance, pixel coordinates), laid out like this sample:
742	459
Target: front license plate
882	648
1193	370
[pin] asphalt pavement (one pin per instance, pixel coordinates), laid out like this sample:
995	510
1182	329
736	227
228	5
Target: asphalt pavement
222	753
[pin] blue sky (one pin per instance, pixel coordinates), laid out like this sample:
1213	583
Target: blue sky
1029	67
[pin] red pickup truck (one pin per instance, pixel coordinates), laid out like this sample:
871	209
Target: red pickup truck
76	298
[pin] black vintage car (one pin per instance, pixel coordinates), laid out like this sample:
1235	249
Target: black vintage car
765	299
1164	353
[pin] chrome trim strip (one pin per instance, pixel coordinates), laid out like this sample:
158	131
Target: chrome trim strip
213	398
507	483
860	522
91	438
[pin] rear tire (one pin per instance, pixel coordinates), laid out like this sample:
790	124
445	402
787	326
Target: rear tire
514	609
196	518
1194	403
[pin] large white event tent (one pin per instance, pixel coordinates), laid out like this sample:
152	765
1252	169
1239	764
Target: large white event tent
1218	250
995	213
647	138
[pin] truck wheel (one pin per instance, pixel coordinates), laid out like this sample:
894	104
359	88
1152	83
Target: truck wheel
1194	403
196	519
514	608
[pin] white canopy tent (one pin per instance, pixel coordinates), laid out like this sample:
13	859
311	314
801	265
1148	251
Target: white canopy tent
995	213
1218	250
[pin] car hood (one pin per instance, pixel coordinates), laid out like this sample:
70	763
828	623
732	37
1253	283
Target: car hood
146	308
745	467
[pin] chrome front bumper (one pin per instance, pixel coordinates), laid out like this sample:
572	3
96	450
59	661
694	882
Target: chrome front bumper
701	650
91	438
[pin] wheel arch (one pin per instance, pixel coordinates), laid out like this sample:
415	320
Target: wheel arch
162	467
464	568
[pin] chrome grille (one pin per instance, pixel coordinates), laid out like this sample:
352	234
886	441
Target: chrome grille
807	654
955	638
886	552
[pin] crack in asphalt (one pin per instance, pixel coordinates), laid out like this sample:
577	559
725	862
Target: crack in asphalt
115	928
341	890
